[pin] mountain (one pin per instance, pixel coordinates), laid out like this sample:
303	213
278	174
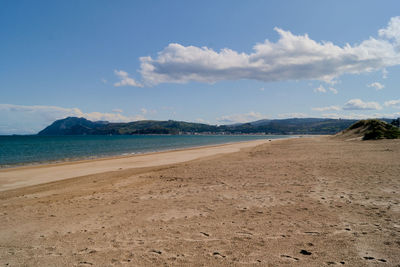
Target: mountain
72	126
81	126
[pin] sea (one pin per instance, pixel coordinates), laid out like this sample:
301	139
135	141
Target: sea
33	149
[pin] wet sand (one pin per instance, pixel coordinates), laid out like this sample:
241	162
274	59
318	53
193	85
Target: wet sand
13	178
304	202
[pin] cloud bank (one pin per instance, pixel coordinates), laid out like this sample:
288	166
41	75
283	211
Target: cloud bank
393	103
356	116
293	115
20	119
336	108
240	118
352	104
358	104
292	57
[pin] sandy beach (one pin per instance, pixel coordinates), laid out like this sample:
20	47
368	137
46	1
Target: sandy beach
312	201
13	178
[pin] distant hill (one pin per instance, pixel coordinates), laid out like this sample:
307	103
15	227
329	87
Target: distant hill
293	126
370	130
72	126
81	126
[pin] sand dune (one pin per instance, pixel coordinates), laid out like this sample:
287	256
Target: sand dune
301	202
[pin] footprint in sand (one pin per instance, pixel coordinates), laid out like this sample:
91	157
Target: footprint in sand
372	258
305	252
290	257
216	253
156	251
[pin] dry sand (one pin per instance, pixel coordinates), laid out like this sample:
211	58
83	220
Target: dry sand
304	202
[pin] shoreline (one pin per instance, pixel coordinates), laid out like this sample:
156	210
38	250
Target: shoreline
36	174
127	154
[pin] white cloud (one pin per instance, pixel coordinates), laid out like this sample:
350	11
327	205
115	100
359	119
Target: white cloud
393	103
199	120
262	89
54	112
145	111
376	85
118	110
103	80
384	73
30	119
112	117
327	108
392	31
293	115
320	89
125	80
241	118
292	57
356	116
333	90
358	104
387	115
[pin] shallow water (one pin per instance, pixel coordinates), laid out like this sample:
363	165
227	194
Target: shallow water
20	150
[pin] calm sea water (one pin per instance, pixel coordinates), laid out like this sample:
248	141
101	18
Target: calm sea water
19	150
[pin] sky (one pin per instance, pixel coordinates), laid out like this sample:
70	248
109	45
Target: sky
215	62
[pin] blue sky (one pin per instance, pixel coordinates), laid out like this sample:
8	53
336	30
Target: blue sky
217	62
